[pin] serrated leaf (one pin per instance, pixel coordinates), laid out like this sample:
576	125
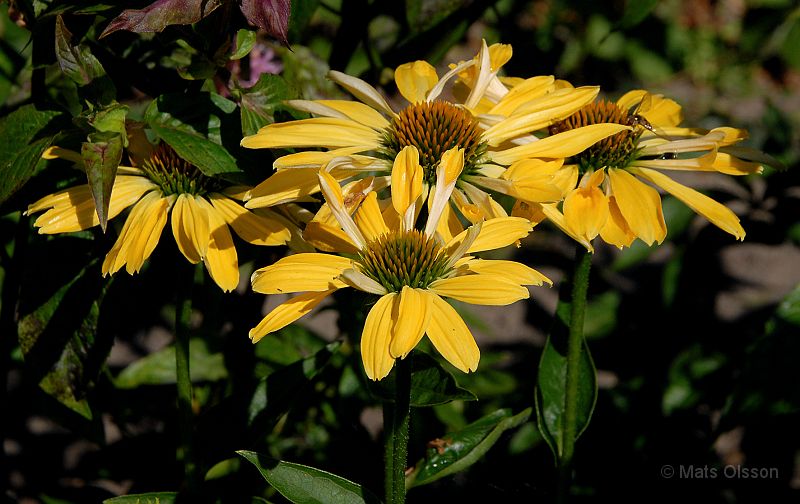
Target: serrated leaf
275	394
302	484
259	102
179	120
245	40
158	15
458	450
431	384
551	383
635	12
24	136
57	327
145	498
271	16
159	368
101	157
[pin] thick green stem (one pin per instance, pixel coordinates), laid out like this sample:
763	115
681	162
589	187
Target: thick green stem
396	417
580	285
183	312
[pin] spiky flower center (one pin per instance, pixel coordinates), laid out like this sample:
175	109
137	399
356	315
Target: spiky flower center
175	175
433	128
615	151
403	258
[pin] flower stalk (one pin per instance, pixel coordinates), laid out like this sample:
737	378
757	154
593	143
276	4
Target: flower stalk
396	416
580	286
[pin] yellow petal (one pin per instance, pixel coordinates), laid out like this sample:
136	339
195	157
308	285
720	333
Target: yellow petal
406	179
562	145
362	91
451	337
640	205
300	273
315	132
252	228
498	233
525	91
616	231
221	260
414	80
284	186
329	238
719	215
139	235
287	312
376	337
345	109
413	317
586	211
369	219
480	289
190	228
732	165
510	270
315	159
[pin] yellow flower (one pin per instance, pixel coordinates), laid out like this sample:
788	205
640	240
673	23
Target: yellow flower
605	187
201	211
411	270
492	125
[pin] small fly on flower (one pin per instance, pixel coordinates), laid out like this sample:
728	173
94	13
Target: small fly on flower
635	119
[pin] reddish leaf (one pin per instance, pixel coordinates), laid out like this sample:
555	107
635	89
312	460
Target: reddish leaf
160	14
269	15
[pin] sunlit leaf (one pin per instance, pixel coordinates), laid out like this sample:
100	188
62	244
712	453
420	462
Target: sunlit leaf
245	40
159	368
306	485
145	498
158	15
76	62
458	450
101	157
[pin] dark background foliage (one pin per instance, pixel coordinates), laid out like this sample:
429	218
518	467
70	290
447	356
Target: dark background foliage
695	342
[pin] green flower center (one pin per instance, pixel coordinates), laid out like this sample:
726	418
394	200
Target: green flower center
402	258
433	128
175	175
615	151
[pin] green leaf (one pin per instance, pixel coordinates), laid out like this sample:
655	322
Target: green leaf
145	498
245	40
431	384
57	326
110	119
259	102
551	383
275	394
80	65
101	157
458	450
192	125
159	368
635	12
306	485
425	14
24	136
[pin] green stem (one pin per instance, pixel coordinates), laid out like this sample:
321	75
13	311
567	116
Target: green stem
183	312
580	285
396	417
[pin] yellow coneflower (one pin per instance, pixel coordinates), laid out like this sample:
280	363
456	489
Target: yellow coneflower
410	269
165	185
367	136
605	187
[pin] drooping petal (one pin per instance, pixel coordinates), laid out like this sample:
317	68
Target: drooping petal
640	205
511	270
362	282
586	209
451	337
315	132
487	289
376	338
287	312
414	80
616	231
406	182
221	260
414	314
252	228
339	207
301	273
562	145
190	228
369	218
139	235
719	215
499	233
447	172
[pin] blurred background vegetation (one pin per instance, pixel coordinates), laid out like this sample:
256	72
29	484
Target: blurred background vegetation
696	342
